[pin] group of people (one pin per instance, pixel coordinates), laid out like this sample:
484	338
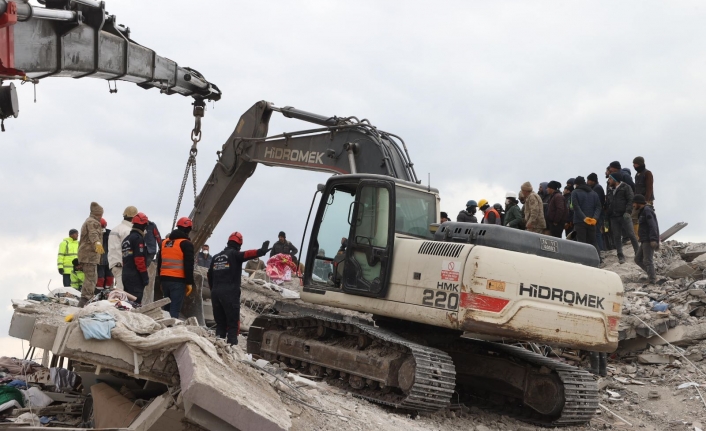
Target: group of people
584	211
133	255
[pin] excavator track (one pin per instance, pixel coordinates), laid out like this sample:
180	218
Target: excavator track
579	388
430	373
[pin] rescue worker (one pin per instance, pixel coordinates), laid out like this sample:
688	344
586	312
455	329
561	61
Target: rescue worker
444	217
115	245
282	246
587	210
499	208
513	215
490	215
644	185
90	249
468	215
556	209
77	275
105	277
204	258
533	209
224	277
175	266
152	241
592	181
624	173
648	233
135	277
620	214
68	250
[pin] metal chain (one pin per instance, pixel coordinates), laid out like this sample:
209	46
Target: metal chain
190	163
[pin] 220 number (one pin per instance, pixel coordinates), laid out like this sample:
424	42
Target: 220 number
440	299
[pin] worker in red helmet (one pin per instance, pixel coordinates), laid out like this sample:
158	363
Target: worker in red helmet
135	276
224	279
105	276
175	266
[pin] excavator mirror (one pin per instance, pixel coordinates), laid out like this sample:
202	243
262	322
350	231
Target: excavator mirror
321	187
9	105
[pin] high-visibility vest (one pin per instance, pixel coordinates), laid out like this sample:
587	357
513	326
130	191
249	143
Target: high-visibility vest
172	259
68	251
497	215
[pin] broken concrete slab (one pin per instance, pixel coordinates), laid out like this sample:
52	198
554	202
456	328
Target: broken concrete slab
692	251
44	335
152	414
680	336
680	269
22	326
110	408
699	262
216	396
652	358
672	231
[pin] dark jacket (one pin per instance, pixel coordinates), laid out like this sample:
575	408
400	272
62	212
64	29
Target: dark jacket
104	256
569	210
648	229
513	216
556	211
153	239
286	248
134	258
627	178
227	267
187	248
204	261
585	203
601	194
644	184
621	201
466	217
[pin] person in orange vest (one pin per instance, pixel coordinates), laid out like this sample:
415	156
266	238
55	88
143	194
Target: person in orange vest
490	214
175	266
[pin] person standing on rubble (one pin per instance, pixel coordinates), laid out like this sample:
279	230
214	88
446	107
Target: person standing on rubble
77	275
533	209
620	213
204	259
468	215
105	277
587	211
135	277
592	181
556	210
224	275
175	265
648	232
68	250
282	246
513	215
152	241
90	249
644	185
115	245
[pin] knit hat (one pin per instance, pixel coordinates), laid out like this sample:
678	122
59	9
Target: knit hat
526	187
554	185
615	176
130	211
72	231
639	160
592	177
639	199
570	181
615	165
444	215
282	234
544	185
96	209
579	181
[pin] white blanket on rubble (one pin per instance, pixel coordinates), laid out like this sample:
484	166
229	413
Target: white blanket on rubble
144	335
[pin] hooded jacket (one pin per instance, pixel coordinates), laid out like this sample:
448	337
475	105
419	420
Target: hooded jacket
68	251
115	242
585	203
466	217
534	211
648	229
627	178
91	234
621	201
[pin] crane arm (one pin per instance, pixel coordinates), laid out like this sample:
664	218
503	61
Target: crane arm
78	39
342	146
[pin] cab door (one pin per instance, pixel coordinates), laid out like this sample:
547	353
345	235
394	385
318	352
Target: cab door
368	260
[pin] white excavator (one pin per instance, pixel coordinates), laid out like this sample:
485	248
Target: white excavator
446	299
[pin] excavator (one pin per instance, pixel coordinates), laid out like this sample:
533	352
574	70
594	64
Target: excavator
448	300
445	298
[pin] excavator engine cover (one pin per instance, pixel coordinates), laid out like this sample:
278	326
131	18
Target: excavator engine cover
517	240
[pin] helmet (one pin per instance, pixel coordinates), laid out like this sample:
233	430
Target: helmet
130	211
482	203
498	207
511	195
103	222
237	237
140	218
185	222
471	203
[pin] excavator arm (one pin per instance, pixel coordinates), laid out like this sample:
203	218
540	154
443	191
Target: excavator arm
79	39
342	146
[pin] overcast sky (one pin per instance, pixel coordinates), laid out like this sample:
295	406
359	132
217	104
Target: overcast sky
486	94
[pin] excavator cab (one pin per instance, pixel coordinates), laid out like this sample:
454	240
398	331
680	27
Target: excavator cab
360	215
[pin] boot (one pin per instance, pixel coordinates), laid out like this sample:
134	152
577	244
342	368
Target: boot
593	357
621	259
603	364
82	302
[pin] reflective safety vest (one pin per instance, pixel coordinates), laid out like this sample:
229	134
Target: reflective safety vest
68	251
172	259
77	278
497	215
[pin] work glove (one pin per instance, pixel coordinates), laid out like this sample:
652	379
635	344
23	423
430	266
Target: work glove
265	247
99	248
590	221
188	289
61	271
654	245
627	216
